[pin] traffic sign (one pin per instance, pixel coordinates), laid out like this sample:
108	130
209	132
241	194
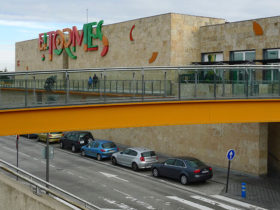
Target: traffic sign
230	154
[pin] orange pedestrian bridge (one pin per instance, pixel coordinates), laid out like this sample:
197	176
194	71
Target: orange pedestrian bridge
63	100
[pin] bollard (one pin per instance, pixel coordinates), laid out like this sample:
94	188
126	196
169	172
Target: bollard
243	190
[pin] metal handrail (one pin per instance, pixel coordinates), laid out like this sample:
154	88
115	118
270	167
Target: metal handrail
149	68
86	203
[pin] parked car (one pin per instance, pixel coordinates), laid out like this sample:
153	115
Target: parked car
185	169
74	140
99	149
136	158
53	137
30	136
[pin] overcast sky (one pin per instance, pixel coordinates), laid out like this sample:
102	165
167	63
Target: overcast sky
24	19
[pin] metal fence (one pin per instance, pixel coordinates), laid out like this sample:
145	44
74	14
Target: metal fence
115	85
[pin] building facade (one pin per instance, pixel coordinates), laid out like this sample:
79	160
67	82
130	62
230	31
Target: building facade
173	40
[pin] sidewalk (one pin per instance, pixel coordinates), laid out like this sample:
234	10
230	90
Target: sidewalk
260	191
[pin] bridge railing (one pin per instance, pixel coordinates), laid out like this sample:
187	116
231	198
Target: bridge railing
135	84
41	186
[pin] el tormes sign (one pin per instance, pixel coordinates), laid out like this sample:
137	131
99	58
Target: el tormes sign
68	39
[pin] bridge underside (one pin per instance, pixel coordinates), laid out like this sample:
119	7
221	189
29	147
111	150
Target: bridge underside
91	117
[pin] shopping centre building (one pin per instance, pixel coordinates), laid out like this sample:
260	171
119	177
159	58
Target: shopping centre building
173	40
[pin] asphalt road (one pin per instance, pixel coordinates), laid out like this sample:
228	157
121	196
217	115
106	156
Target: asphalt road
113	187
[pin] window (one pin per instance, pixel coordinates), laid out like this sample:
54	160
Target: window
243	55
126	152
96	145
108	145
132	153
212	57
195	163
148	154
179	163
170	162
271	54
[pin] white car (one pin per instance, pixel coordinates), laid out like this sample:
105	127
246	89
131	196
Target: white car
136	158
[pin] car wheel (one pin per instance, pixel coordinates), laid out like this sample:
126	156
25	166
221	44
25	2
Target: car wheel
99	157
73	148
114	161
134	167
184	179
83	153
61	145
155	172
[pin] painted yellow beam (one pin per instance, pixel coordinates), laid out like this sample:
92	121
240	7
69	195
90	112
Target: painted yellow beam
91	117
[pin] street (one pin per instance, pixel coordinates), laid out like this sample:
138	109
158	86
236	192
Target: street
113	187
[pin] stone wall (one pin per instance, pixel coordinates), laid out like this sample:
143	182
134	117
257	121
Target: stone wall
240	36
209	143
14	195
185	37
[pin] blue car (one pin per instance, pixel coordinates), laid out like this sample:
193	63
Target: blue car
99	149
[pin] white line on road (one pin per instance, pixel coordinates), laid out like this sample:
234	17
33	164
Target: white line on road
69	172
222	205
52	166
239	203
189	203
113	176
7	148
135	200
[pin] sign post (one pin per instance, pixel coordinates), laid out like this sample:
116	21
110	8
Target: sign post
230	156
17	152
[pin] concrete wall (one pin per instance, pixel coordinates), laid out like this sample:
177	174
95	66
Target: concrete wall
274	148
240	36
209	143
14	195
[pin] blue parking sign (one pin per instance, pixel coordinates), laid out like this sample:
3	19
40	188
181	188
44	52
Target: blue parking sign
230	154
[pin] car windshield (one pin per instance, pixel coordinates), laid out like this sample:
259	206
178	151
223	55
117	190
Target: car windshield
148	154
196	163
108	145
56	132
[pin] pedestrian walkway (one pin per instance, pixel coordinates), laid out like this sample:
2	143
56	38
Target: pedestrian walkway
261	191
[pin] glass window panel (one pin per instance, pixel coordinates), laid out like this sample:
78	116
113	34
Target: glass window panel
272	54
250	56
238	56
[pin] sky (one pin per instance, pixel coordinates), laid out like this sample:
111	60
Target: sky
22	20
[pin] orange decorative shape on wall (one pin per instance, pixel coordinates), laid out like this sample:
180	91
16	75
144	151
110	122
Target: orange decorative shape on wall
105	46
153	58
257	29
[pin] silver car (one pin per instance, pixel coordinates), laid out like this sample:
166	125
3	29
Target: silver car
136	158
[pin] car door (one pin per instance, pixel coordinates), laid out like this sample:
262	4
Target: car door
95	149
168	166
66	139
122	156
177	169
88	149
130	158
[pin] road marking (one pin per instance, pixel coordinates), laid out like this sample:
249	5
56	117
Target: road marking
120	205
35	158
239	203
129	197
52	166
222	205
113	176
189	203
82	177
7	148
69	172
